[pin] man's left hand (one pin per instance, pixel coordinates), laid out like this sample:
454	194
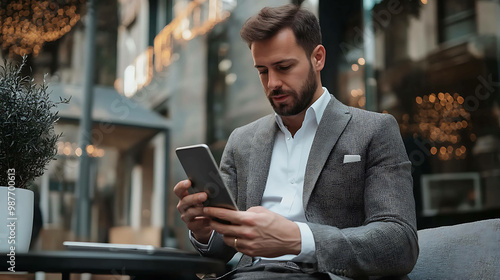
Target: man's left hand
257	231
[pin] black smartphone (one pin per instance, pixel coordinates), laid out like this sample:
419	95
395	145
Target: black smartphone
201	169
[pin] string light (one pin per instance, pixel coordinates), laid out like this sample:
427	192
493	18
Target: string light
27	24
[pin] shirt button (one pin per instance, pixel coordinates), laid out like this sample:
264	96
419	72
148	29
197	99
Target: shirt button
288	138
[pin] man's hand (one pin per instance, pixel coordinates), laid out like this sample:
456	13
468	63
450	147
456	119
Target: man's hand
190	207
259	232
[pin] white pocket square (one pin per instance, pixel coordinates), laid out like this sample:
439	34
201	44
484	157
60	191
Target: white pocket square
351	158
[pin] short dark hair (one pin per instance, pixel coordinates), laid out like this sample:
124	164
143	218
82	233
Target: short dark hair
270	21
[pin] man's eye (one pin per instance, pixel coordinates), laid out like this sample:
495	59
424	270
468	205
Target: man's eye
263	72
284	68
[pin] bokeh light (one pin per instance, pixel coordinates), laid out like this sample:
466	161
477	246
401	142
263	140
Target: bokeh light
442	119
27	24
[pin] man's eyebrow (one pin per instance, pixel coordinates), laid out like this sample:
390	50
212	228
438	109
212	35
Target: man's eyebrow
277	62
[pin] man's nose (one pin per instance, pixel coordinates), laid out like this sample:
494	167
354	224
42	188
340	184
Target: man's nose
273	81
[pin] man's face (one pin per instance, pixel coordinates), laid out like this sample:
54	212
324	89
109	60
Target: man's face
286	73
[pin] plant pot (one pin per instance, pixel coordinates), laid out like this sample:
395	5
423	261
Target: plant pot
16	219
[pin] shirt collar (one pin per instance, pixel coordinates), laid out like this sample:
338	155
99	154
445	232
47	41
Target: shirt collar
315	110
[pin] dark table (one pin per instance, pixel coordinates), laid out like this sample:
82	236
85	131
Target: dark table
137	265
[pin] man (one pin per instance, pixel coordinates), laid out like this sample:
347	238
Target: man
327	188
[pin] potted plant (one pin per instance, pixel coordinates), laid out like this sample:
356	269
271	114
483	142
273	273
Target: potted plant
27	145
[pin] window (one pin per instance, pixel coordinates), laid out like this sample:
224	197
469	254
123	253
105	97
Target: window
457	19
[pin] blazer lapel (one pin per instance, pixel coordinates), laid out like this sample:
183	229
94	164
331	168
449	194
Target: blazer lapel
331	126
260	160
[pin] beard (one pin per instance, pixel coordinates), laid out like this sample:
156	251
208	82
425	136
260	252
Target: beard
299	102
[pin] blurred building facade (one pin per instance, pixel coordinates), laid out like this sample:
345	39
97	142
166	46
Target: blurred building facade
434	65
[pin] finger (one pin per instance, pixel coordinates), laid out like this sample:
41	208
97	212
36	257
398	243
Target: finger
192	200
195	219
221	213
181	188
227	230
193	213
235	217
257	209
198	223
229	240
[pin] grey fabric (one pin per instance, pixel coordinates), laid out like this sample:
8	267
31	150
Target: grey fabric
464	251
362	214
273	271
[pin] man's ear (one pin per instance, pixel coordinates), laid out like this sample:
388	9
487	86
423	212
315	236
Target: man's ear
318	57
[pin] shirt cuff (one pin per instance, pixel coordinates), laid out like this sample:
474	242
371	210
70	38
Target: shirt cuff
201	247
307	246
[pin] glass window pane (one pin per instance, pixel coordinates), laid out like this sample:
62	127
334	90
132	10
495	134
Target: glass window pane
458	30
453	7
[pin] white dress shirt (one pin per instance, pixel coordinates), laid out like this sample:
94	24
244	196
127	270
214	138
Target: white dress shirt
285	182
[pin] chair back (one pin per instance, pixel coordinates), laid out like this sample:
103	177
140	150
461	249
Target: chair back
464	251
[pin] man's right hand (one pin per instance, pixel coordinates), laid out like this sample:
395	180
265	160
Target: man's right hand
190	207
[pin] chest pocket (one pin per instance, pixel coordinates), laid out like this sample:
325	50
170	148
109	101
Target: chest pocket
338	173
337	198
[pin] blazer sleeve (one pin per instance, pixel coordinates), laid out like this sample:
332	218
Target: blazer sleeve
386	243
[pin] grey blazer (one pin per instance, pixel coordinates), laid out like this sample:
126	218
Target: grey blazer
361	214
